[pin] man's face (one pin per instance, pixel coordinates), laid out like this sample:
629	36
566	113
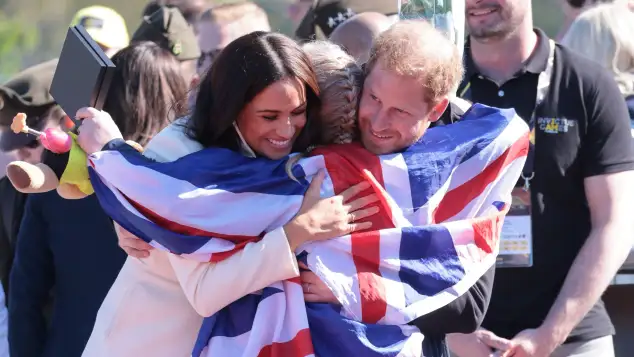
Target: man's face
494	19
392	112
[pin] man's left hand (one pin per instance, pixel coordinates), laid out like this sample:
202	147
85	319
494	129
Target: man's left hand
314	289
532	343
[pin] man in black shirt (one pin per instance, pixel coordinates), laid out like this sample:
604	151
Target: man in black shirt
578	180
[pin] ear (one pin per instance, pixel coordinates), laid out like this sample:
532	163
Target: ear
438	110
70	192
28	178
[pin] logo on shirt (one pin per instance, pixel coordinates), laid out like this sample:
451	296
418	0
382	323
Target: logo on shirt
554	125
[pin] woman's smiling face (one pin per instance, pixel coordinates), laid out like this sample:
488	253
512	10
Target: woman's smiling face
272	121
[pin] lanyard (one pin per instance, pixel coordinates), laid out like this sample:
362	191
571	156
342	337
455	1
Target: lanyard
543	85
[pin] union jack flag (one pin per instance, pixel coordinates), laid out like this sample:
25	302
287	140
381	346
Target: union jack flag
442	204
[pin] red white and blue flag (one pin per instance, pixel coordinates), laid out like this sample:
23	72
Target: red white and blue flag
442	206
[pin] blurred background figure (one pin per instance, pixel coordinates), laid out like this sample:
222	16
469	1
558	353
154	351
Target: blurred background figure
357	34
105	26
324	16
191	9
168	28
28	92
70	246
297	9
605	34
220	25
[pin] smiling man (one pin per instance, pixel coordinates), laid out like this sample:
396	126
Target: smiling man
410	74
547	300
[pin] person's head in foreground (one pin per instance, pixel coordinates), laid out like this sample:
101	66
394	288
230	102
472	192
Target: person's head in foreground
260	97
340	83
357	34
105	26
605	34
412	70
145	91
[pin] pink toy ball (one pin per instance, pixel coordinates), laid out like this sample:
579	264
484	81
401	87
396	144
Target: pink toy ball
56	140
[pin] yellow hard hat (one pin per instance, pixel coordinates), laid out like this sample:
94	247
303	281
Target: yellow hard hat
104	25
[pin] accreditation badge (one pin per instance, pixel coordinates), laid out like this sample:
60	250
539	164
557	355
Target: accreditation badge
516	241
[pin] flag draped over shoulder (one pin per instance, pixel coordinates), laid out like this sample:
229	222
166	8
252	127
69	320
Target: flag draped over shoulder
442	203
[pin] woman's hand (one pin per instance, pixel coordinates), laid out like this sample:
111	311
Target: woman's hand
314	289
327	218
96	130
131	244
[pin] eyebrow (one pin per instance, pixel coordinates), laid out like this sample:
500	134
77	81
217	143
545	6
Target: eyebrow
278	111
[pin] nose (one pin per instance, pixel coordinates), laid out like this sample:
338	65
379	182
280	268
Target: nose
286	129
380	121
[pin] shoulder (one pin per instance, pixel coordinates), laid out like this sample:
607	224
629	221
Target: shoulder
455	110
172	142
576	69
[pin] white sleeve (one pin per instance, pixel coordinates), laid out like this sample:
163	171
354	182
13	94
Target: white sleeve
211	286
4	326
171	143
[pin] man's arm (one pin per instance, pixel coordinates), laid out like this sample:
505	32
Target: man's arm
607	159
32	277
611	201
463	315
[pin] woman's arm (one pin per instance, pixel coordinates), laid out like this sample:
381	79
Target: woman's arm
211	286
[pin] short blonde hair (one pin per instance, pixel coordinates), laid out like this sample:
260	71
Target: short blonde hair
414	48
233	12
605	34
340	81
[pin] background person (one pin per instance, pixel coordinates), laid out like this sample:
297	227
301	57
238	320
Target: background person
220	25
601	34
105	26
167	28
69	246
579	176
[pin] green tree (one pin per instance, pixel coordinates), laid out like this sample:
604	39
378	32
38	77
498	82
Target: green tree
16	38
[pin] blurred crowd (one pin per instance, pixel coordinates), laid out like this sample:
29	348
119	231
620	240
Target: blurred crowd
59	258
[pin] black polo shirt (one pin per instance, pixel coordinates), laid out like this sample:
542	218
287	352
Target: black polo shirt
582	130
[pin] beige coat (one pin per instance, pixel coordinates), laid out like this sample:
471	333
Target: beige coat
155	306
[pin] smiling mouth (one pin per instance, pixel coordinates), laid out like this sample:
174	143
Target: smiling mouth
378	136
482	12
280	144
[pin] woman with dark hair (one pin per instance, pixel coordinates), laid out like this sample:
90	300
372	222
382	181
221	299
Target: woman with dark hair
260	98
69	246
145	91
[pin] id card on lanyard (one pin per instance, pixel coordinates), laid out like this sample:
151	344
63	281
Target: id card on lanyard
516	241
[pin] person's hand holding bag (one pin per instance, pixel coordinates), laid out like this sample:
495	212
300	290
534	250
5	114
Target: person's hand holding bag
96	130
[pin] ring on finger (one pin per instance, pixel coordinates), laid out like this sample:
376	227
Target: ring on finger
351	217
